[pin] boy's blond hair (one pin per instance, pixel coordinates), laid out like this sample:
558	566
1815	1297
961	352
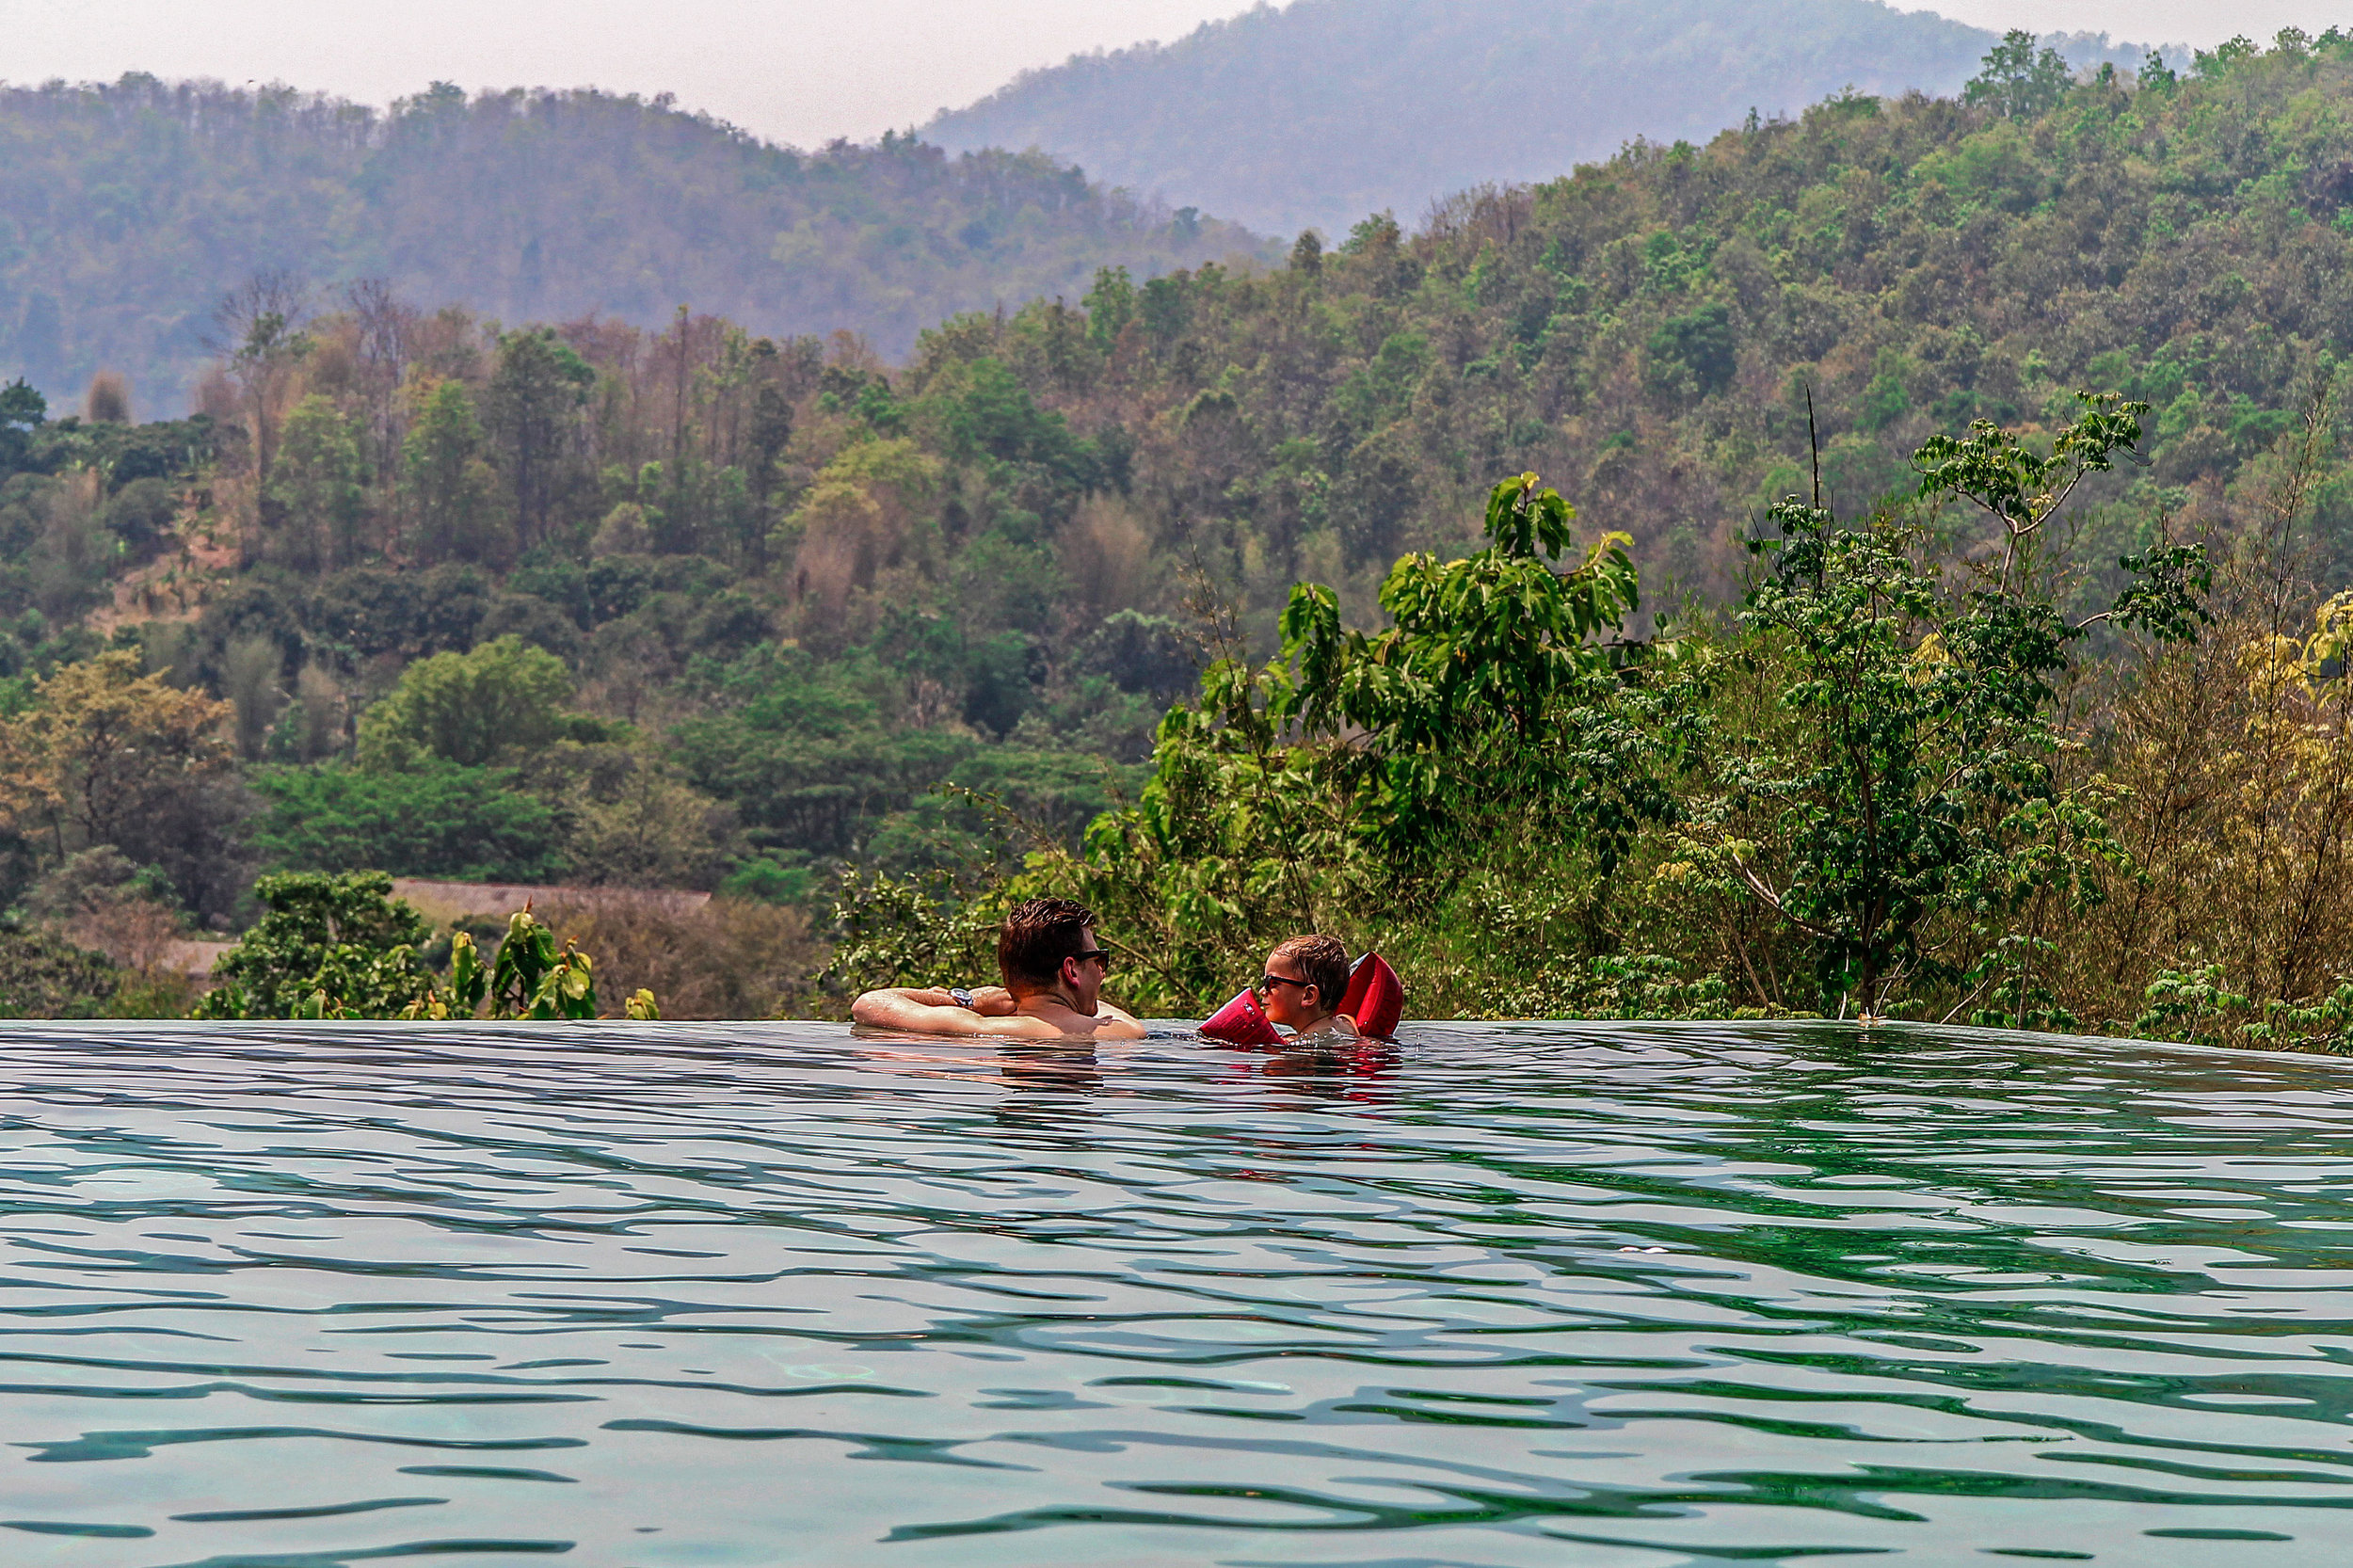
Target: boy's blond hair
1321	962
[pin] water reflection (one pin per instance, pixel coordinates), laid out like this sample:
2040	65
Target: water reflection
1508	1296
1328	1069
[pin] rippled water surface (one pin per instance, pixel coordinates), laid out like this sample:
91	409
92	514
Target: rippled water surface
1520	1295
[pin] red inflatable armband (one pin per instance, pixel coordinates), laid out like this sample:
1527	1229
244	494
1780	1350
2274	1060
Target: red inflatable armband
1376	998
1240	1023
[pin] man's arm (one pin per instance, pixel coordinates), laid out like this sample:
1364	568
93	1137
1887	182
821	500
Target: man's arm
919	1010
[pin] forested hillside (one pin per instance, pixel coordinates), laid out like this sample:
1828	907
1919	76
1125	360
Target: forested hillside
693	606
1323	111
127	210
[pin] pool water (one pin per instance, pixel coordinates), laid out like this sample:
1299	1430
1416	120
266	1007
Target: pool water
1539	1294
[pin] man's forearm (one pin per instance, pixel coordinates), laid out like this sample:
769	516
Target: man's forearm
920	1006
895	1007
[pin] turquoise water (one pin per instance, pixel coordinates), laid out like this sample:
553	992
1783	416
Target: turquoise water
724	1295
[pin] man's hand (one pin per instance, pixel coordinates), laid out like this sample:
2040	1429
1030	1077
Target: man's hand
994	1001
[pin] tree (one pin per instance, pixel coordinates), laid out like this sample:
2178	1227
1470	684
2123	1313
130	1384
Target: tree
536	395
1909	777
22	410
103	752
260	325
320	486
449	482
1456	706
1363	772
431	819
251	673
469	709
634	823
2018	81
45	976
771	432
340	933
1699	346
108	399
387	330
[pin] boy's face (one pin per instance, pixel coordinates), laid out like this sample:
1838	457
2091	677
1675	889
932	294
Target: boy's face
1288	999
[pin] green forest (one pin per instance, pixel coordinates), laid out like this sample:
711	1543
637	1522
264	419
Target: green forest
1922	598
128	209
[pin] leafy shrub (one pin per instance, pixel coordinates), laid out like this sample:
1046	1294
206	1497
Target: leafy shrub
341	947
342	937
470	708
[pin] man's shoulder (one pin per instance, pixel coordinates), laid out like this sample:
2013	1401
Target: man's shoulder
1063	1023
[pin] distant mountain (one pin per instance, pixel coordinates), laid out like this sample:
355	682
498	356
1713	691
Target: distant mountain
1327	111
127	211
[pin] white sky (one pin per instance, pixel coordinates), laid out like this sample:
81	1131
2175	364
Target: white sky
794	71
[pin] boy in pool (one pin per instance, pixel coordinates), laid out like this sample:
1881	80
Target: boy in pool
1304	981
1053	969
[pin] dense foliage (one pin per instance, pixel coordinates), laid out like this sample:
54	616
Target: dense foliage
1317	112
126	209
695	609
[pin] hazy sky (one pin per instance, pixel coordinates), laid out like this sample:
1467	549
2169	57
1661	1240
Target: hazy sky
795	70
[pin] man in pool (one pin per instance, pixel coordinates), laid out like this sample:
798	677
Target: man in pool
1053	969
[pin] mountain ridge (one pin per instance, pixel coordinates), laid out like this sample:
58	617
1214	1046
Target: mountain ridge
128	209
1366	130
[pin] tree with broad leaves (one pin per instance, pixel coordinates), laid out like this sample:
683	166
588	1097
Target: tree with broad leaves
1358	770
1909	777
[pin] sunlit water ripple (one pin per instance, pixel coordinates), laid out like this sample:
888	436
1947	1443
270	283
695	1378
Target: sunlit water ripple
721	1295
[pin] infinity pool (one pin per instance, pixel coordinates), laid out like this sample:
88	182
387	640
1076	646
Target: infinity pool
721	1295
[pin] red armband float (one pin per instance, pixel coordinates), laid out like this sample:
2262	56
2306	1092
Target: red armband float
1376	998
1241	1022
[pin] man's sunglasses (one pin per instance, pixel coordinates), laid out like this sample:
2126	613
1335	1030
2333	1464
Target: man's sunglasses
1094	952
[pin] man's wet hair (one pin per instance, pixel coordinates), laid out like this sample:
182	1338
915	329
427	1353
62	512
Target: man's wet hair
1321	962
1039	933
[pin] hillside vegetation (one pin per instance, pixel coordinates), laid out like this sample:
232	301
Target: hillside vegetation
690	606
127	210
1322	111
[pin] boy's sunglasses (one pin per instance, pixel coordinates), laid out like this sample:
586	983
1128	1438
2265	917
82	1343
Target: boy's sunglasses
1268	982
1095	952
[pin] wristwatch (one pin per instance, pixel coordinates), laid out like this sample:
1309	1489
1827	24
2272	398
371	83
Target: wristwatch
963	998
